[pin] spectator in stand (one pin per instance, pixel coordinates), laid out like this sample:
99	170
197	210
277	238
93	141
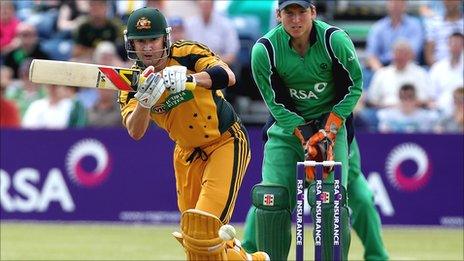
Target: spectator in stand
384	33
182	8
214	30
386	82
9	113
408	116
24	9
159	4
446	74
78	113
43	17
8	24
430	9
29	47
178	28
125	8
106	54
455	122
71	14
105	112
263	10
439	28
51	112
98	27
23	92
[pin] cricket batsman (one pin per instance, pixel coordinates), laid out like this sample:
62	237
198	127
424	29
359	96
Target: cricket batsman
211	152
310	78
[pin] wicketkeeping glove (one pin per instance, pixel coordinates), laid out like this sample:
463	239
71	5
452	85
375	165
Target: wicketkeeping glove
150	89
319	147
175	78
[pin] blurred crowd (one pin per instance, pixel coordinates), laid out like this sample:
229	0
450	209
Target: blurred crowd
412	61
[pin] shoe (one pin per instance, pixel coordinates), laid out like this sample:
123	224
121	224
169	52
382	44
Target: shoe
260	256
235	251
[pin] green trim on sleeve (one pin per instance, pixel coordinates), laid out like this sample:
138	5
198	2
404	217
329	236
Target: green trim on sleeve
346	70
274	93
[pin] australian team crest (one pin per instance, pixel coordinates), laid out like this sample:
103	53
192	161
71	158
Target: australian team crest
143	23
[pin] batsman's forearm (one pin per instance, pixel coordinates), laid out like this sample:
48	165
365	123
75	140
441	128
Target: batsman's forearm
204	78
137	122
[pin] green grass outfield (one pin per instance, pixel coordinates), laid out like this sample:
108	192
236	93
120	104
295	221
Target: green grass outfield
51	241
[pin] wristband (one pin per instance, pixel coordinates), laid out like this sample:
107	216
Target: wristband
219	77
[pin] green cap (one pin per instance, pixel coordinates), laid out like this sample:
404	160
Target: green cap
145	23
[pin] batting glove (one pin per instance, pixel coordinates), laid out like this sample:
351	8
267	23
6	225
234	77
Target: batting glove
150	89
175	78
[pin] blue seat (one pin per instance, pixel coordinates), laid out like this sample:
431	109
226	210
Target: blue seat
248	29
57	49
44	22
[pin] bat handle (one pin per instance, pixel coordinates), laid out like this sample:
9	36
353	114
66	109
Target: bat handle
190	86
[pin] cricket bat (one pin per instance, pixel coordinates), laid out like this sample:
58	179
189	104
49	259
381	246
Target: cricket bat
86	75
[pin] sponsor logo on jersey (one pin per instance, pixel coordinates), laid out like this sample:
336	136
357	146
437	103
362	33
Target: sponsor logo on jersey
308	94
172	101
159	109
320	86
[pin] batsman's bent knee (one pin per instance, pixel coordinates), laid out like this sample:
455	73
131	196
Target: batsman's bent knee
273	220
236	252
200	237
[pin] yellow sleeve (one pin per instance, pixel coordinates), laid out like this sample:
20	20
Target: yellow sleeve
195	56
127	104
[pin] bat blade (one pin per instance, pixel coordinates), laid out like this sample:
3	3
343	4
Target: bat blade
83	75
87	75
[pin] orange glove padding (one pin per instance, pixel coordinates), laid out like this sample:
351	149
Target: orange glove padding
320	146
299	135
323	151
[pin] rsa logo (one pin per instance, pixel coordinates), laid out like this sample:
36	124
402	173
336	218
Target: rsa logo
28	190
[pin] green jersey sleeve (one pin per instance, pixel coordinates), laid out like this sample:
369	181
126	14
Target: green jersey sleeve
275	94
347	73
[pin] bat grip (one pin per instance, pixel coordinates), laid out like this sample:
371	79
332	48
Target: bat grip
190	86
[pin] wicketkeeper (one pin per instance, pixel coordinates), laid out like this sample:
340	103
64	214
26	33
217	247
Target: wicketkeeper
310	78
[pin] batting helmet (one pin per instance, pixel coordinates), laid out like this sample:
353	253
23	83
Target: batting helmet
146	23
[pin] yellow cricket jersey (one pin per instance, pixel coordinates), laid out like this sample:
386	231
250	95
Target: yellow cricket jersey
191	118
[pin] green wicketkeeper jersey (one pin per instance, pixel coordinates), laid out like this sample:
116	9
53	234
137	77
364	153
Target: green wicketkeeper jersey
300	88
